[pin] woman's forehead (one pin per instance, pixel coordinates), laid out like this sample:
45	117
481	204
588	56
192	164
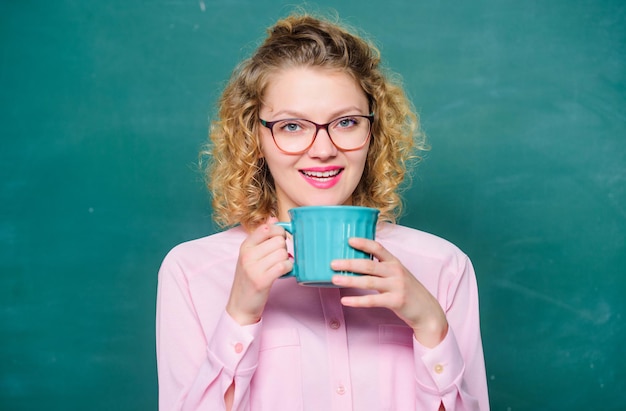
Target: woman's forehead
312	90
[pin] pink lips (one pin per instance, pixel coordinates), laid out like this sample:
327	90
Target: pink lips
322	177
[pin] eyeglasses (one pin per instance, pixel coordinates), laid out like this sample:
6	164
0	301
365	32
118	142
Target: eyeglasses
296	135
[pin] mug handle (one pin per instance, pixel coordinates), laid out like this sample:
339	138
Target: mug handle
288	228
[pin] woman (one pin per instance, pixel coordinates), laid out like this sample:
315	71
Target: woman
231	335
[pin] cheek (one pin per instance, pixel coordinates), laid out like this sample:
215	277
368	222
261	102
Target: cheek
358	166
360	159
275	160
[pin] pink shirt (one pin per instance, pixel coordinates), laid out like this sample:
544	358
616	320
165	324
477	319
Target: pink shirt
309	352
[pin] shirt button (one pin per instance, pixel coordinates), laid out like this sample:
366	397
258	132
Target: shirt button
238	348
341	390
438	368
334	324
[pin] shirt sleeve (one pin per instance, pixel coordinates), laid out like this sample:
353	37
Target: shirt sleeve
195	365
453	372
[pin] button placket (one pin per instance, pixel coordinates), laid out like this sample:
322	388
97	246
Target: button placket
338	356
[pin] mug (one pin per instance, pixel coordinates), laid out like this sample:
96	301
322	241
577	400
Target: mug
320	235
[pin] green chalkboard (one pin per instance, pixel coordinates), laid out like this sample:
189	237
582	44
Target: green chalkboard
104	106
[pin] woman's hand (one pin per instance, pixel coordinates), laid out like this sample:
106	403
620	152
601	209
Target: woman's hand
262	259
398	290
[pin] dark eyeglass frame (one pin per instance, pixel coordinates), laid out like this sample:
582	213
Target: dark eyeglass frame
318	127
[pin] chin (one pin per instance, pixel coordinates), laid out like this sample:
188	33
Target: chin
327	202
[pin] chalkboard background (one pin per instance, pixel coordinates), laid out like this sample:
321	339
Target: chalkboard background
105	104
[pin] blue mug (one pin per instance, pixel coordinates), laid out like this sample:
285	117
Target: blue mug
320	235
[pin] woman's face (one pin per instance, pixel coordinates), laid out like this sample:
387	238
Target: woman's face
322	175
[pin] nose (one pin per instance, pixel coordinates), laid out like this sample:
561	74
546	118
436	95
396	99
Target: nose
322	147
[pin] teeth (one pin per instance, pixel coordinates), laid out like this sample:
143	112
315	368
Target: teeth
321	174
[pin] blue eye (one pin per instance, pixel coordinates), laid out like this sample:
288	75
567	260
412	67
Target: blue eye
290	127
346	122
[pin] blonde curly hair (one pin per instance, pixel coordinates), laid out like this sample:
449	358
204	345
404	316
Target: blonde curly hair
238	179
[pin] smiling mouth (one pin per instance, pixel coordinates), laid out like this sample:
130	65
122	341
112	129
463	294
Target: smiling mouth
322	175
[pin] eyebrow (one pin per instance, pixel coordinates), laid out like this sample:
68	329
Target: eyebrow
335	114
